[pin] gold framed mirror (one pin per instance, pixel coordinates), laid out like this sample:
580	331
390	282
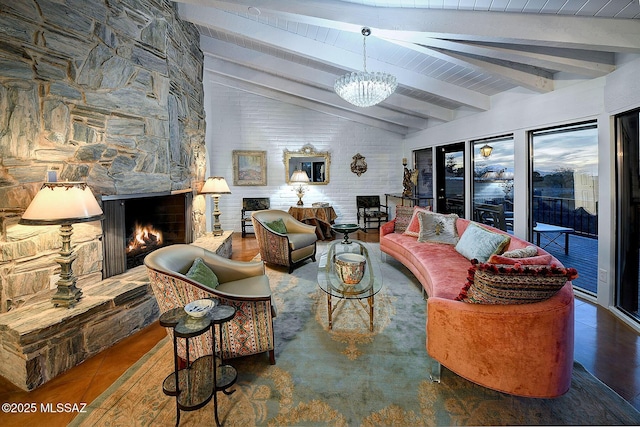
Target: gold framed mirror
315	163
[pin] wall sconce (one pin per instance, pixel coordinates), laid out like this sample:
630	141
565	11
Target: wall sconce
216	185
63	204
301	178
486	150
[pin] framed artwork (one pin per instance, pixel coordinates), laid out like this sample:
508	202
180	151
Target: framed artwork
249	167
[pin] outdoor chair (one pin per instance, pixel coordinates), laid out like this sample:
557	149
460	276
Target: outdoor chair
492	215
455	205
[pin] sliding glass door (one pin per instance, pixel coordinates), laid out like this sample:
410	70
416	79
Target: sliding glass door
450	179
564	198
628	215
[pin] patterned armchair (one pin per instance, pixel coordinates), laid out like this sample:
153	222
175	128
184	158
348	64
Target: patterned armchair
289	249
244	285
492	215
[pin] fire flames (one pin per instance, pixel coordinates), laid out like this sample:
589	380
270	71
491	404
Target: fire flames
144	237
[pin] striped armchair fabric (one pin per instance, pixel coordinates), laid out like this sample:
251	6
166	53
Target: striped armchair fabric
243	285
289	249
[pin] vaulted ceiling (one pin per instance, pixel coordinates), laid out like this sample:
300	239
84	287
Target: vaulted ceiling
450	56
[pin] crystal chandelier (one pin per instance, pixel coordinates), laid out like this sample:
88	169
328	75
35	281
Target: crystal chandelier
364	89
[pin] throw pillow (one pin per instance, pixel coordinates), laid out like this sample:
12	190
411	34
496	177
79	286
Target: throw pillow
529	251
403	218
439	228
277	226
534	260
201	273
514	284
479	243
413	229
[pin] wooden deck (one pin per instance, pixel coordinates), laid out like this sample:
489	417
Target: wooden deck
583	256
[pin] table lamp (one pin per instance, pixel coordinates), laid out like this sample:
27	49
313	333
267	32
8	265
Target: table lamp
63	204
216	185
301	178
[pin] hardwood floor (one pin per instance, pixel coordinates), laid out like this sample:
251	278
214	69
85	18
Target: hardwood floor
607	347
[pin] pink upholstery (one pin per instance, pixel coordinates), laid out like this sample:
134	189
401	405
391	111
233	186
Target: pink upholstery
524	350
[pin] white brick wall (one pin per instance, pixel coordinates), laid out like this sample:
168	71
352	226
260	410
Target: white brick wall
238	120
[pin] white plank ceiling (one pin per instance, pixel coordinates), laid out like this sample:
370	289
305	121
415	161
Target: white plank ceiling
450	56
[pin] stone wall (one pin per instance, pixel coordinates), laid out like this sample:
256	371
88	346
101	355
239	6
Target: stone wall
103	91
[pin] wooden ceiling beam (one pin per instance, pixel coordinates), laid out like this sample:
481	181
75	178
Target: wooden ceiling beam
329	55
416	24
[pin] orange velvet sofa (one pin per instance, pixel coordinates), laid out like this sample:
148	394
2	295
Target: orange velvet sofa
523	350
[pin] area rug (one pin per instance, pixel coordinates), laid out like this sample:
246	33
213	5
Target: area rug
349	376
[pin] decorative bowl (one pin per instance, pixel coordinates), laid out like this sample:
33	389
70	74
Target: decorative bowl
199	308
350	267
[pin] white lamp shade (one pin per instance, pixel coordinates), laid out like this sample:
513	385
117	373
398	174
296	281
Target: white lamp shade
299	176
62	203
215	185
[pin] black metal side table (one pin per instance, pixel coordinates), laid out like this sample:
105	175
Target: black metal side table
201	379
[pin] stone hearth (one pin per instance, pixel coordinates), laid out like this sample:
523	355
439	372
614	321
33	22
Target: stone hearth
40	341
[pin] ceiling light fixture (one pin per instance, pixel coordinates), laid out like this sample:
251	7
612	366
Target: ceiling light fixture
364	89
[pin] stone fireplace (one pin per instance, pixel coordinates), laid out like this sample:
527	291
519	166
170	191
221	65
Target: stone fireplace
110	94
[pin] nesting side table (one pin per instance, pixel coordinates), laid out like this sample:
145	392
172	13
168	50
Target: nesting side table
201	379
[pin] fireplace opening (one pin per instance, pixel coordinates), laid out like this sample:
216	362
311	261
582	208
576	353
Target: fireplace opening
143	238
136	225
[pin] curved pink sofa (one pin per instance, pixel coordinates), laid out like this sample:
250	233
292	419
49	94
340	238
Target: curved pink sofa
524	350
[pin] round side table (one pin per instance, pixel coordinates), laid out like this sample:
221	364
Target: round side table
196	384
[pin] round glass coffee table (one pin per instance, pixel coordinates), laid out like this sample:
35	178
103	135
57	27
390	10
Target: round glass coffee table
366	289
345	229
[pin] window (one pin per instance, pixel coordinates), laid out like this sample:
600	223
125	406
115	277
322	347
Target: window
493	181
564	197
424	186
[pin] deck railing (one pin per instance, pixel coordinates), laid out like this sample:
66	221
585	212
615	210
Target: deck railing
562	212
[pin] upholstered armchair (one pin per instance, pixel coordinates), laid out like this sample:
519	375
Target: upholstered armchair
289	246
243	285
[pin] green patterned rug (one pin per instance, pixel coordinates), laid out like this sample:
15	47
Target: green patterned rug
349	376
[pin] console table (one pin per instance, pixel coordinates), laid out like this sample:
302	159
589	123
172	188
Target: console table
321	218
201	379
411	200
